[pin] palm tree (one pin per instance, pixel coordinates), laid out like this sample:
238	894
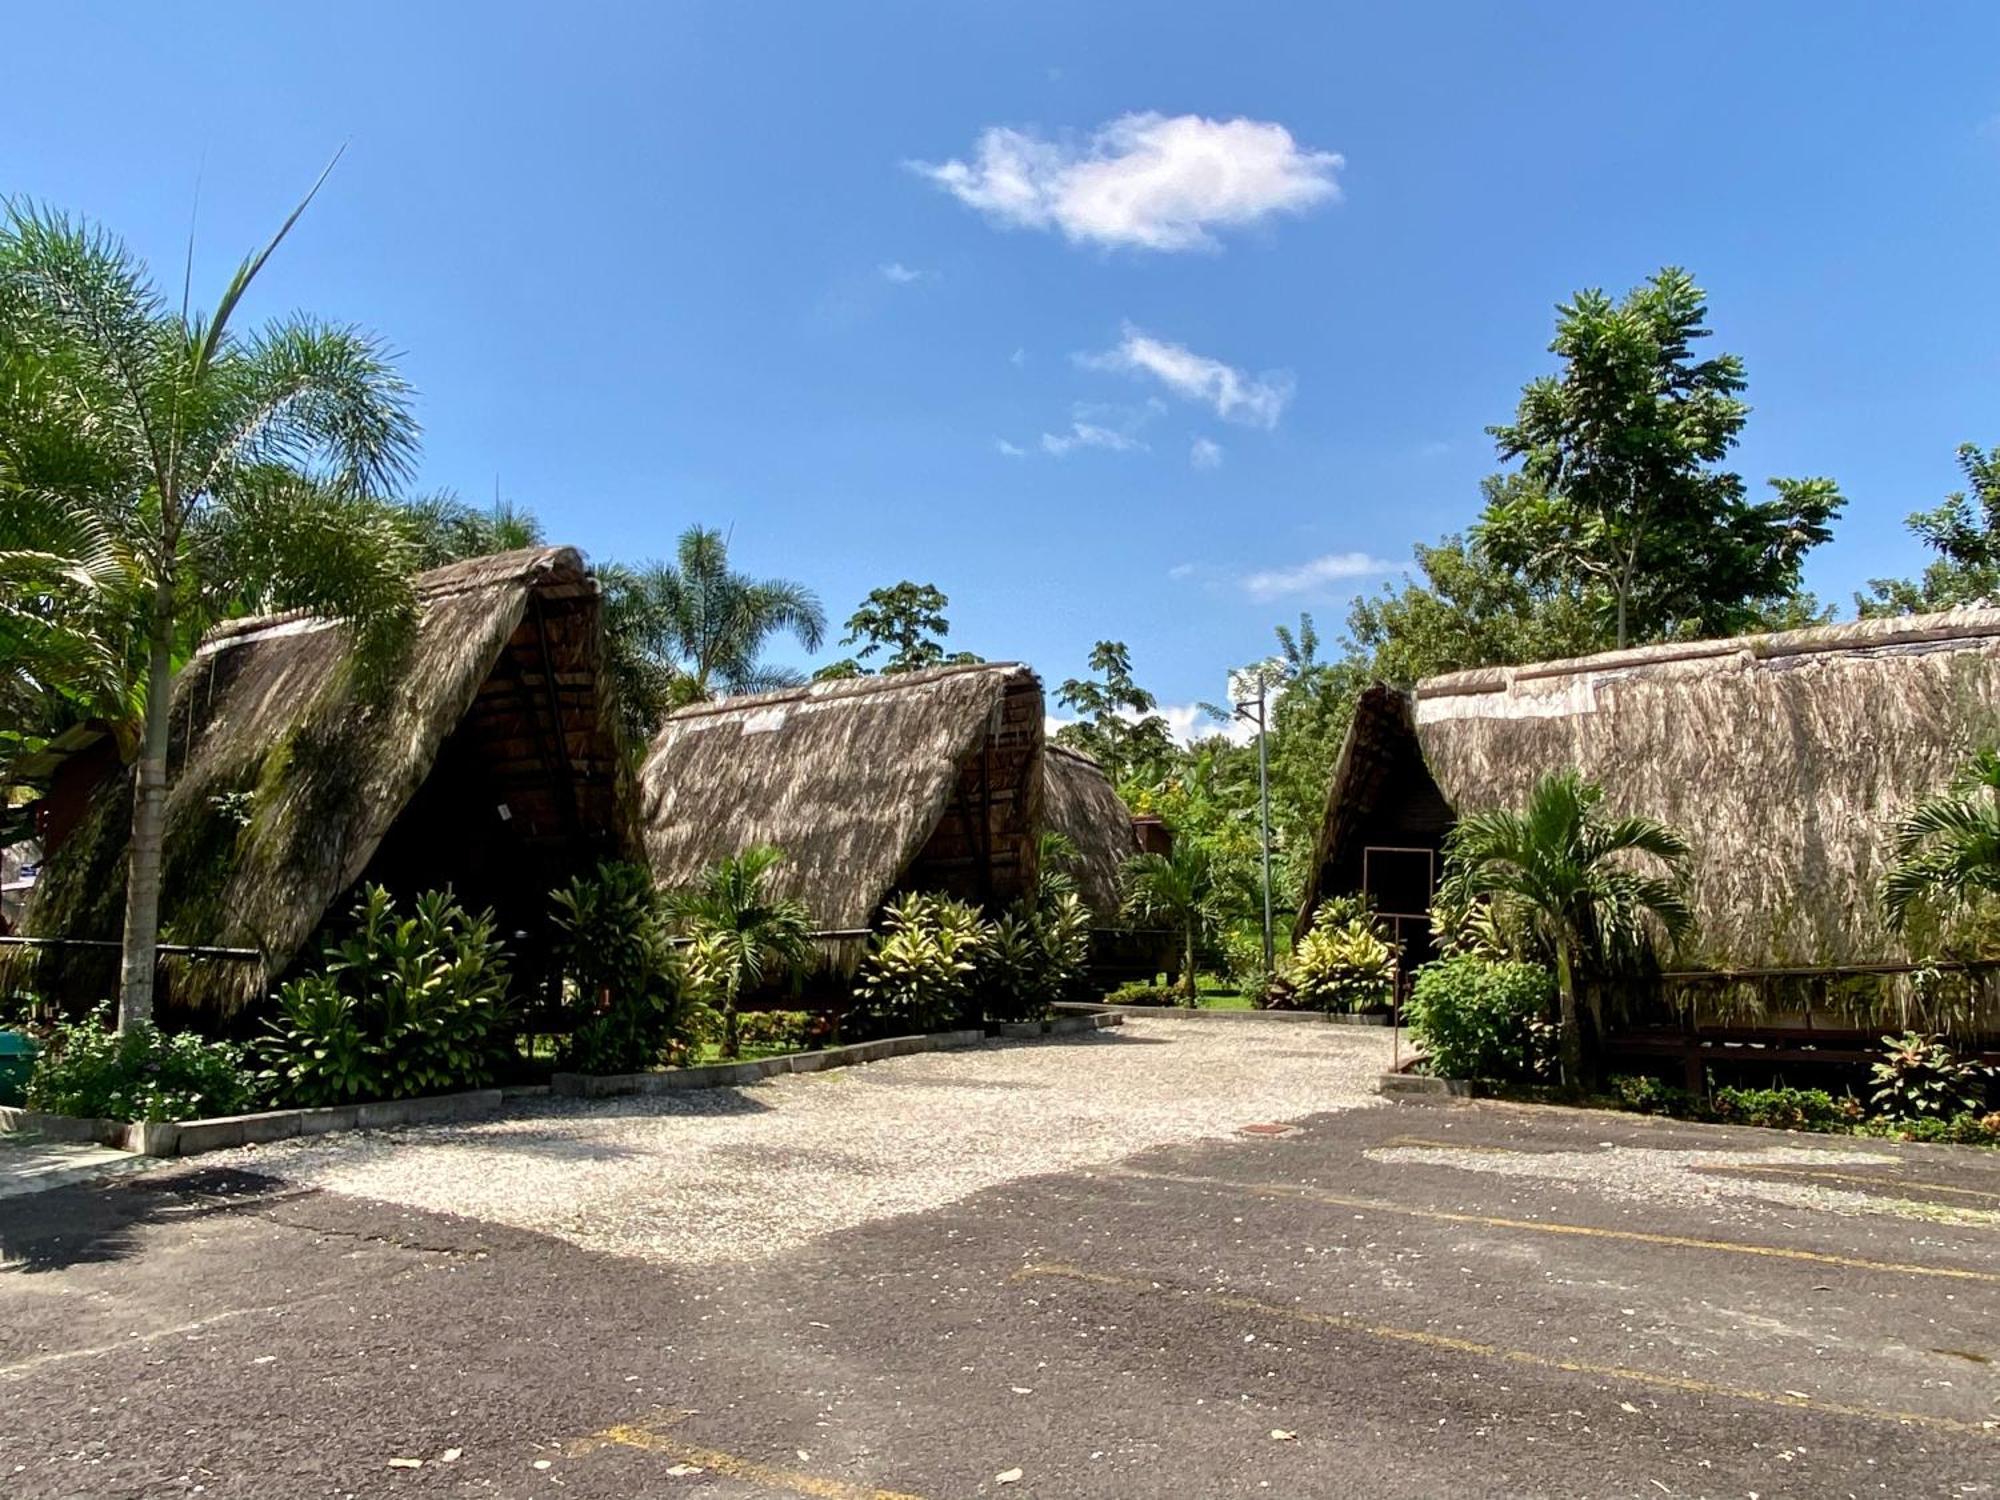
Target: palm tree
1566	871
1180	890
692	629
225	470
741	935
1948	849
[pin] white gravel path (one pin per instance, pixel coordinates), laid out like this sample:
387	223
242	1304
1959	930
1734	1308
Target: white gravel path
729	1174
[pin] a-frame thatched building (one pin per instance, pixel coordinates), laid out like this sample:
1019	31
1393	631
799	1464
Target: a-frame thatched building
1080	803
1785	759
488	761
925	780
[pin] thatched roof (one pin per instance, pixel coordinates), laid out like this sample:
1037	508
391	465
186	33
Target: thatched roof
854	780
1785	758
288	770
1079	802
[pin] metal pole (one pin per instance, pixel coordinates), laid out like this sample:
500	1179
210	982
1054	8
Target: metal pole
1264	805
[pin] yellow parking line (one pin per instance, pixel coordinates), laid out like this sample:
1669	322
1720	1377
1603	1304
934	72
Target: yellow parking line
647	1438
1473	1347
1547	1226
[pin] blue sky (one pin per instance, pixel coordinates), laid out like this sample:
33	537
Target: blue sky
658	264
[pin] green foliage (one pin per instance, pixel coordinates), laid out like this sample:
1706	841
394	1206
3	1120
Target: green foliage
1181	891
1144	992
1966	1129
1480	1019
1965	533
1947	851
1619	492
1563	870
1119	729
444	529
87	1070
1342	963
1032	957
905	619
1920	1077
625	985
1782	1108
920	972
742	936
402	1006
1649	1096
681	632
778	1030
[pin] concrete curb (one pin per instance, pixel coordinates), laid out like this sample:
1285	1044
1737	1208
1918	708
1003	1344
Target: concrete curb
1064	1025
734	1075
192	1137
1423	1086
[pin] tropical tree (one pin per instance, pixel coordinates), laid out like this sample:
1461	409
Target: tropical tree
445	529
692	629
1120	729
203	470
1965	534
905	619
1571	875
741	936
1182	891
1948	847
1619	489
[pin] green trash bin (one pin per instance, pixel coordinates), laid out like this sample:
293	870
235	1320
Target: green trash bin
17	1060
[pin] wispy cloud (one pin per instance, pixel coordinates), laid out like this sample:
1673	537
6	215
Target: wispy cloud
1148	181
1235	395
1083	434
1181	570
1012	450
1310	577
1018	358
901	274
1205	453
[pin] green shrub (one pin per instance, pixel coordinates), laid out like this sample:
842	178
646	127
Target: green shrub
786	1030
1032	957
1243	962
402	1006
1144	992
920	970
1649	1096
1341	964
88	1070
626	989
1781	1108
1481	1019
1919	1077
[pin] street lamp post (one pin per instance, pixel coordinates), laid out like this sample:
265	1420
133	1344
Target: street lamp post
1263	806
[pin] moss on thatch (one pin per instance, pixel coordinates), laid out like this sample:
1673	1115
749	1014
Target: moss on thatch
287	771
1785	759
867	784
1079	802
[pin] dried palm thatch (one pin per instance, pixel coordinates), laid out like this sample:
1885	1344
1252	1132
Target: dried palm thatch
1079	802
290	767
869	785
1785	759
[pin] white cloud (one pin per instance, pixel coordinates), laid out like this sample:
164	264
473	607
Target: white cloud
1084	434
1181	570
1018	358
1188	722
901	274
1145	180
1308	577
1012	450
1236	395
1205	454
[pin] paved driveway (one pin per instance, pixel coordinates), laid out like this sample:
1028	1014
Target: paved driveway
1411	1300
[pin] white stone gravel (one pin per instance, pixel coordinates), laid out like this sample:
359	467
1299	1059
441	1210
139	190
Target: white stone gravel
1690	1179
729	1174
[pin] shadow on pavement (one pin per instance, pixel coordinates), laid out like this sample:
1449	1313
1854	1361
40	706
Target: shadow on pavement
93	1224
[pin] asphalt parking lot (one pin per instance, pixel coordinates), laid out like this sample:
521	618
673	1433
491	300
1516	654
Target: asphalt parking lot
1405	1300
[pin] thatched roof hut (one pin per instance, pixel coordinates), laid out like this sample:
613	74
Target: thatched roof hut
1784	758
922	780
487	760
1079	802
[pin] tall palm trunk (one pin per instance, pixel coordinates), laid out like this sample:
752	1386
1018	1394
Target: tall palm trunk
732	1043
149	815
1571	1039
1187	967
